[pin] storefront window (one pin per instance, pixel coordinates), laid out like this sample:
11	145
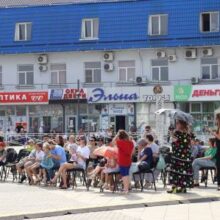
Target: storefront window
71	109
208	107
83	108
2	112
195	107
21	110
10	110
94	109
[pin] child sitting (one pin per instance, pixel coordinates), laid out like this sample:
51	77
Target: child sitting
111	166
46	163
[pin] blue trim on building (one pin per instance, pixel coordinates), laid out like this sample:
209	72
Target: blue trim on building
123	25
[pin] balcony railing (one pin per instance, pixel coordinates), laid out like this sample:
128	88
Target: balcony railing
44	86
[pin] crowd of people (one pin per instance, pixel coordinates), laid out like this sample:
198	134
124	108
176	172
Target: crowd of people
47	162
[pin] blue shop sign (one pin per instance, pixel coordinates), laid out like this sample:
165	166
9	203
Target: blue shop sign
99	95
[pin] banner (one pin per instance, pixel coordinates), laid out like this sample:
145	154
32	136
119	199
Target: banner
67	94
23	98
197	93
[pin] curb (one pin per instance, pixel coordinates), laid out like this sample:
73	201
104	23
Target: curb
108	208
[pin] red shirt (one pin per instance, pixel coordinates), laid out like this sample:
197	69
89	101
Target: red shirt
125	149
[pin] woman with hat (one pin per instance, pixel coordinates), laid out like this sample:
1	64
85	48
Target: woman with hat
181	175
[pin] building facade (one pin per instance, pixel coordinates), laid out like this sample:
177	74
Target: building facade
117	51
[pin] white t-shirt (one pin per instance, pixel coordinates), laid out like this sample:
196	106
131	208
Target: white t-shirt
39	155
155	148
85	152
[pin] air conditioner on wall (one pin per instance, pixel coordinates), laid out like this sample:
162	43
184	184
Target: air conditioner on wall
108	67
43	68
194	80
141	80
108	56
172	58
190	53
161	54
207	51
42	59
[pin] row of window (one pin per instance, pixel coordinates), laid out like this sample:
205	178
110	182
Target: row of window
158	25
210	69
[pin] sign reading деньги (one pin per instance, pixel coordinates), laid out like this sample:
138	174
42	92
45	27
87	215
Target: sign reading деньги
196	93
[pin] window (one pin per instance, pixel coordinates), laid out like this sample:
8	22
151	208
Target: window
90	29
209	68
160	70
158	25
26	74
196	107
126	70
0	75
92	72
58	73
209	22
23	31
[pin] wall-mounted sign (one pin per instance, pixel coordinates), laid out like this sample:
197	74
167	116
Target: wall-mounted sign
197	93
67	94
112	95
182	92
24	98
158	89
152	98
118	109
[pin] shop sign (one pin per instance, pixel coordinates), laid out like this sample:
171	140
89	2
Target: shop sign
23	98
182	92
100	95
67	94
118	109
197	93
152	98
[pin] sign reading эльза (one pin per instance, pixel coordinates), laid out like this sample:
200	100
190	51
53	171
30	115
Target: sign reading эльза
127	94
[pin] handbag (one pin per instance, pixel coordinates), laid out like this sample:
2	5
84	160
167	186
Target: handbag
161	163
143	166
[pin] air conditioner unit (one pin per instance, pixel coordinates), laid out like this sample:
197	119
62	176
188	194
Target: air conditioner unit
161	54
190	54
207	51
172	58
43	68
42	59
108	56
141	80
108	67
194	80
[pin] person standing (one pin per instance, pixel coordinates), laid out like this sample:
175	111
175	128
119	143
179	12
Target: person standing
125	149
217	136
181	175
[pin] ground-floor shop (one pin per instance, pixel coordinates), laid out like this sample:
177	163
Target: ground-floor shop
203	113
201	101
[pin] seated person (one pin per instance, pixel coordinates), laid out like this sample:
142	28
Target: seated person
3	154
110	166
145	157
46	163
25	163
207	161
82	155
31	170
58	154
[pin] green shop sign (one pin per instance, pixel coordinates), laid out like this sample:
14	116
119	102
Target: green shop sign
182	92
